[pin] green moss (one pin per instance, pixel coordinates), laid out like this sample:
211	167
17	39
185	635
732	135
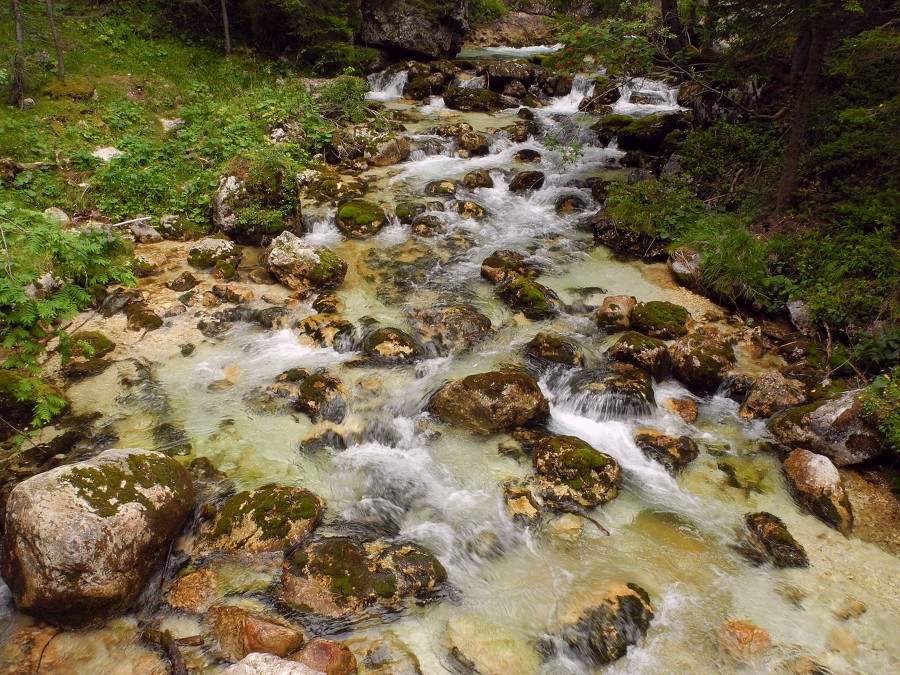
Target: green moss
273	508
98	345
360	219
330	271
75	87
440	188
660	319
224	270
524	295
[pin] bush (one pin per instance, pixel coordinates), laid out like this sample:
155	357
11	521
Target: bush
482	12
661	209
881	407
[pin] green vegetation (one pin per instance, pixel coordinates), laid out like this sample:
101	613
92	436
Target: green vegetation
482	12
881	407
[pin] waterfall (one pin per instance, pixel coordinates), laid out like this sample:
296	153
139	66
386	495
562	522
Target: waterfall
641	97
582	87
387	85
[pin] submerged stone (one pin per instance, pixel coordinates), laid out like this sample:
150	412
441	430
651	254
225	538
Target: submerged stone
240	632
670	451
614	391
391	346
322	397
767	540
479	178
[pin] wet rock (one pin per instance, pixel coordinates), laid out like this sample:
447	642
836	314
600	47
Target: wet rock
440	188
770	393
81	540
82	369
183	282
673	453
685	408
569	471
477	100
342	575
737	386
407	28
451	329
240	632
616	390
224	271
701	359
145	233
491	402
527	155
359	219
406	212
327	656
268	664
118	299
522	294
554	349
568	204
391	151
646	133
469	209
326	330
429	225
767	540
520	132
391	346
474	143
646	352
615	313
270	518
525	181
195	591
684	264
624	240
141	317
523	508
301	267
515	89
207	252
479	178
502	264
322	397
742	639
818	486
829	427
328	302
385	655
501	72
487	648
660	319
603	633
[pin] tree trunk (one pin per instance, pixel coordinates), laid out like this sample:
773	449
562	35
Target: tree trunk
61	64
224	4
801	115
18	81
672	23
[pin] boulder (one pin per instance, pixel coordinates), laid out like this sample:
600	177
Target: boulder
183	282
325	330
469	209
672	452
767	540
391	151
407	211
240	632
477	100
300	266
603	633
770	393
685	408
321	396
359	219
440	188
475	143
327	656
545	347
479	178
816	483
342	575
451	329
80	541
646	134
614	391
270	518
830	427
684	264
702	359
661	319
391	346
503	264
428	225
92	341
522	294
205	253
525	181
195	591
615	313
527	155
569	471
491	402
408	28
568	204
645	352
503	71
145	233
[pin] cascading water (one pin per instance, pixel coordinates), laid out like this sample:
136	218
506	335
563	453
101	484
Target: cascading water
392	469
387	85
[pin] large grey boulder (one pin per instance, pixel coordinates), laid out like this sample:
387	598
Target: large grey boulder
80	541
411	28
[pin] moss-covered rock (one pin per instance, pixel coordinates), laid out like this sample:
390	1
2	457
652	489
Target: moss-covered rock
616	390
440	188
672	452
477	100
501	72
270	518
141	317
123	509
428	225
701	359
625	239
816	483
92	343
342	575
491	402
646	352
391	346
615	313
360	219
603	633
522	294
661	319
207	252
326	330
526	181
646	133
406	212
767	540
469	209
301	267
474	143
479	178
322	397
570	471
502	264
545	347
451	329
183	282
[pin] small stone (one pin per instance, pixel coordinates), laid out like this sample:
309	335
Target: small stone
685	408
615	313
841	641
240	632
327	656
741	639
851	608
195	591
522	506
568	527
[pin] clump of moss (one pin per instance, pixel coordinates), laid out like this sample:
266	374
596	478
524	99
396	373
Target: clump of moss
360	219
75	87
660	319
274	509
93	343
529	297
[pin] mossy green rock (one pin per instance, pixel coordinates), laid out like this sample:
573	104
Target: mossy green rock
440	188
322	397
98	344
479	178
646	134
428	225
767	540
477	100
672	452
522	294
646	352
469	209
141	317
121	509
300	266
390	346
570	471
207	252
360	220
614	391
342	575
487	403
554	349
270	518
502	264
660	319
407	211
702	359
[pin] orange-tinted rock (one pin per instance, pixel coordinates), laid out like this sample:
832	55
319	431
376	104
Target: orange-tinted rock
741	639
328	656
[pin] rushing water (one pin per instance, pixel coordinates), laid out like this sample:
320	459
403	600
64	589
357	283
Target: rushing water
443	488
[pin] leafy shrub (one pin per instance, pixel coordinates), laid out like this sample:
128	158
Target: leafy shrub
662	209
881	407
482	12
